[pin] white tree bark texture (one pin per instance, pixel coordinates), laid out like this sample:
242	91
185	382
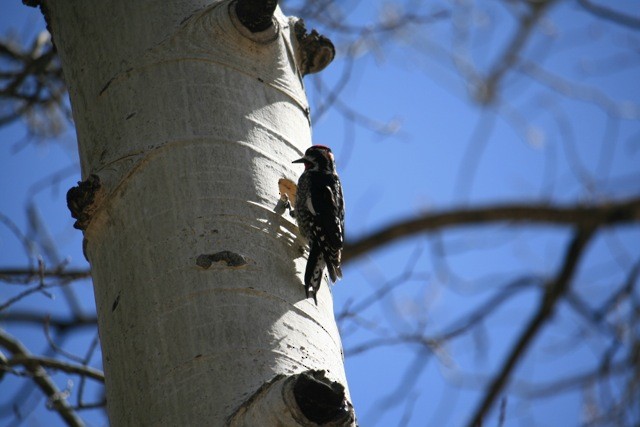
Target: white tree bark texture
185	123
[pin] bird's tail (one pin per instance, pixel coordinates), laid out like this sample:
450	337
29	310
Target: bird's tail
333	265
313	272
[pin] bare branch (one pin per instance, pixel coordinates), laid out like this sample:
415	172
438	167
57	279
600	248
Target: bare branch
49	362
605	214
610	14
487	91
25	275
489	307
57	322
55	347
40	287
572	382
32	86
555	289
42	380
95	405
27	244
87	358
580	92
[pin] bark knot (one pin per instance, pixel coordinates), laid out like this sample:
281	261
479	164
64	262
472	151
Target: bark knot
321	400
256	15
81	201
307	398
316	51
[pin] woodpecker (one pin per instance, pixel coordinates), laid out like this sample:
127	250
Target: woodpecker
319	211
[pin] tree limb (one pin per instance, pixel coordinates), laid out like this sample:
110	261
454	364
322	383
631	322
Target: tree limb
605	214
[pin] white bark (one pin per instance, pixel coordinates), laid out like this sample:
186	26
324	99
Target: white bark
189	121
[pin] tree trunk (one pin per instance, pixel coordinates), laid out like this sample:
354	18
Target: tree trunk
186	120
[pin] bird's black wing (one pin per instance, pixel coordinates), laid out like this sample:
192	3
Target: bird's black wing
328	211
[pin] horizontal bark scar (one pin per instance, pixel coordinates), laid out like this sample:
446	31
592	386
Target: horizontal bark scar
231	259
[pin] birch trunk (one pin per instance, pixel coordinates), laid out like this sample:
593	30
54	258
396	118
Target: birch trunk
186	120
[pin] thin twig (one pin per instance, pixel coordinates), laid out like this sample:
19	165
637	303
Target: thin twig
47	362
55	347
57	322
26	275
610	14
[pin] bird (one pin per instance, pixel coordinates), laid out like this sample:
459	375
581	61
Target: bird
319	212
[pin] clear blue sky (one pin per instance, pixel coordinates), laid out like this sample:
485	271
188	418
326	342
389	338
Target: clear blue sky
539	145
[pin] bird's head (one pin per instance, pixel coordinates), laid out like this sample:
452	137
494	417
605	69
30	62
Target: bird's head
317	158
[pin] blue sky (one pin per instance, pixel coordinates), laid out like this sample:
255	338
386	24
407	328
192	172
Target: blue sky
536	145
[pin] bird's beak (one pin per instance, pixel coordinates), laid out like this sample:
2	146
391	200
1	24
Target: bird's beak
302	160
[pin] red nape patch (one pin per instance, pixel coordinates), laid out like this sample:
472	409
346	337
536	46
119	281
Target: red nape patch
324	147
